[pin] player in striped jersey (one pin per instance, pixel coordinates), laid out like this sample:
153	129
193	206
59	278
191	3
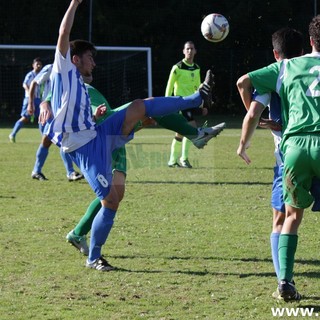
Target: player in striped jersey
25	116
175	122
91	145
42	81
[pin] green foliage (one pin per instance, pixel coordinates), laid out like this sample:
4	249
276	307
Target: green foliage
190	244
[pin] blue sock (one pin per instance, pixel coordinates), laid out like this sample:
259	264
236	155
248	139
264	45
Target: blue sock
101	227
41	157
161	106
274	241
18	125
67	162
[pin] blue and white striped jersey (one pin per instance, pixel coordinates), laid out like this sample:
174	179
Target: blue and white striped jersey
272	101
43	81
27	80
70	104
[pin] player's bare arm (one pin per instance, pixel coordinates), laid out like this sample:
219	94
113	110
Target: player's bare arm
65	27
245	90
250	123
32	89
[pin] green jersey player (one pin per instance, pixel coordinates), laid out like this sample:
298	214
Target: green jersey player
296	81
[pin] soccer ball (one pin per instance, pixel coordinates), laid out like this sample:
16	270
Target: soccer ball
215	27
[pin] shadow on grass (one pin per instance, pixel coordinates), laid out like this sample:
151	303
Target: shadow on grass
203	182
310	274
249	259
300	261
201	273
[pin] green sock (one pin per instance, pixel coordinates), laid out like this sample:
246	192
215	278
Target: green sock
286	250
177	123
84	225
175	151
186	143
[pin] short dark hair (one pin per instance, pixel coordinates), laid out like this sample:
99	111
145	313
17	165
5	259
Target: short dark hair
79	47
37	59
314	31
188	42
288	42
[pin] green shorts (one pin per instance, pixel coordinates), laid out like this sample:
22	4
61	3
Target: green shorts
119	160
301	163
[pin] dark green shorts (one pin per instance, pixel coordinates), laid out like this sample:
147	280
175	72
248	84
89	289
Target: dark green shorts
119	160
301	164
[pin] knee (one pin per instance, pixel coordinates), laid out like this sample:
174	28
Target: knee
24	120
46	142
138	105
112	202
293	219
278	221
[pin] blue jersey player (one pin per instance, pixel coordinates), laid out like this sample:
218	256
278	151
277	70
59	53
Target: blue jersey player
89	145
42	80
27	116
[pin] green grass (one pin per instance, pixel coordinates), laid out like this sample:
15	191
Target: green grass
190	244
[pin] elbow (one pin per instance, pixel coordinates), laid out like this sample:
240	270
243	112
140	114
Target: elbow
253	114
63	31
244	82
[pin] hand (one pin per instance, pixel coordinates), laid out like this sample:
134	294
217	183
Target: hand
148	122
45	112
241	152
30	109
204	111
269	124
100	111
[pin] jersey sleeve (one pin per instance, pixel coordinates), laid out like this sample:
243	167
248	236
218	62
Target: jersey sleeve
62	64
264	99
97	98
43	75
264	80
171	81
198	78
28	78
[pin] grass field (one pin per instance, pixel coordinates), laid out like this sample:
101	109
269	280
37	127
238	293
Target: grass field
190	244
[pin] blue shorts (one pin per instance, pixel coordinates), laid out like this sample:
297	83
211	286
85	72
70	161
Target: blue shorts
277	191
24	112
94	159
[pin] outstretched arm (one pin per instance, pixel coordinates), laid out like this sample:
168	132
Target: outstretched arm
249	125
65	27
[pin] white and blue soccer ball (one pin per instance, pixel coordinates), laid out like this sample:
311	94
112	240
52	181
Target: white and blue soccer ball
215	27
